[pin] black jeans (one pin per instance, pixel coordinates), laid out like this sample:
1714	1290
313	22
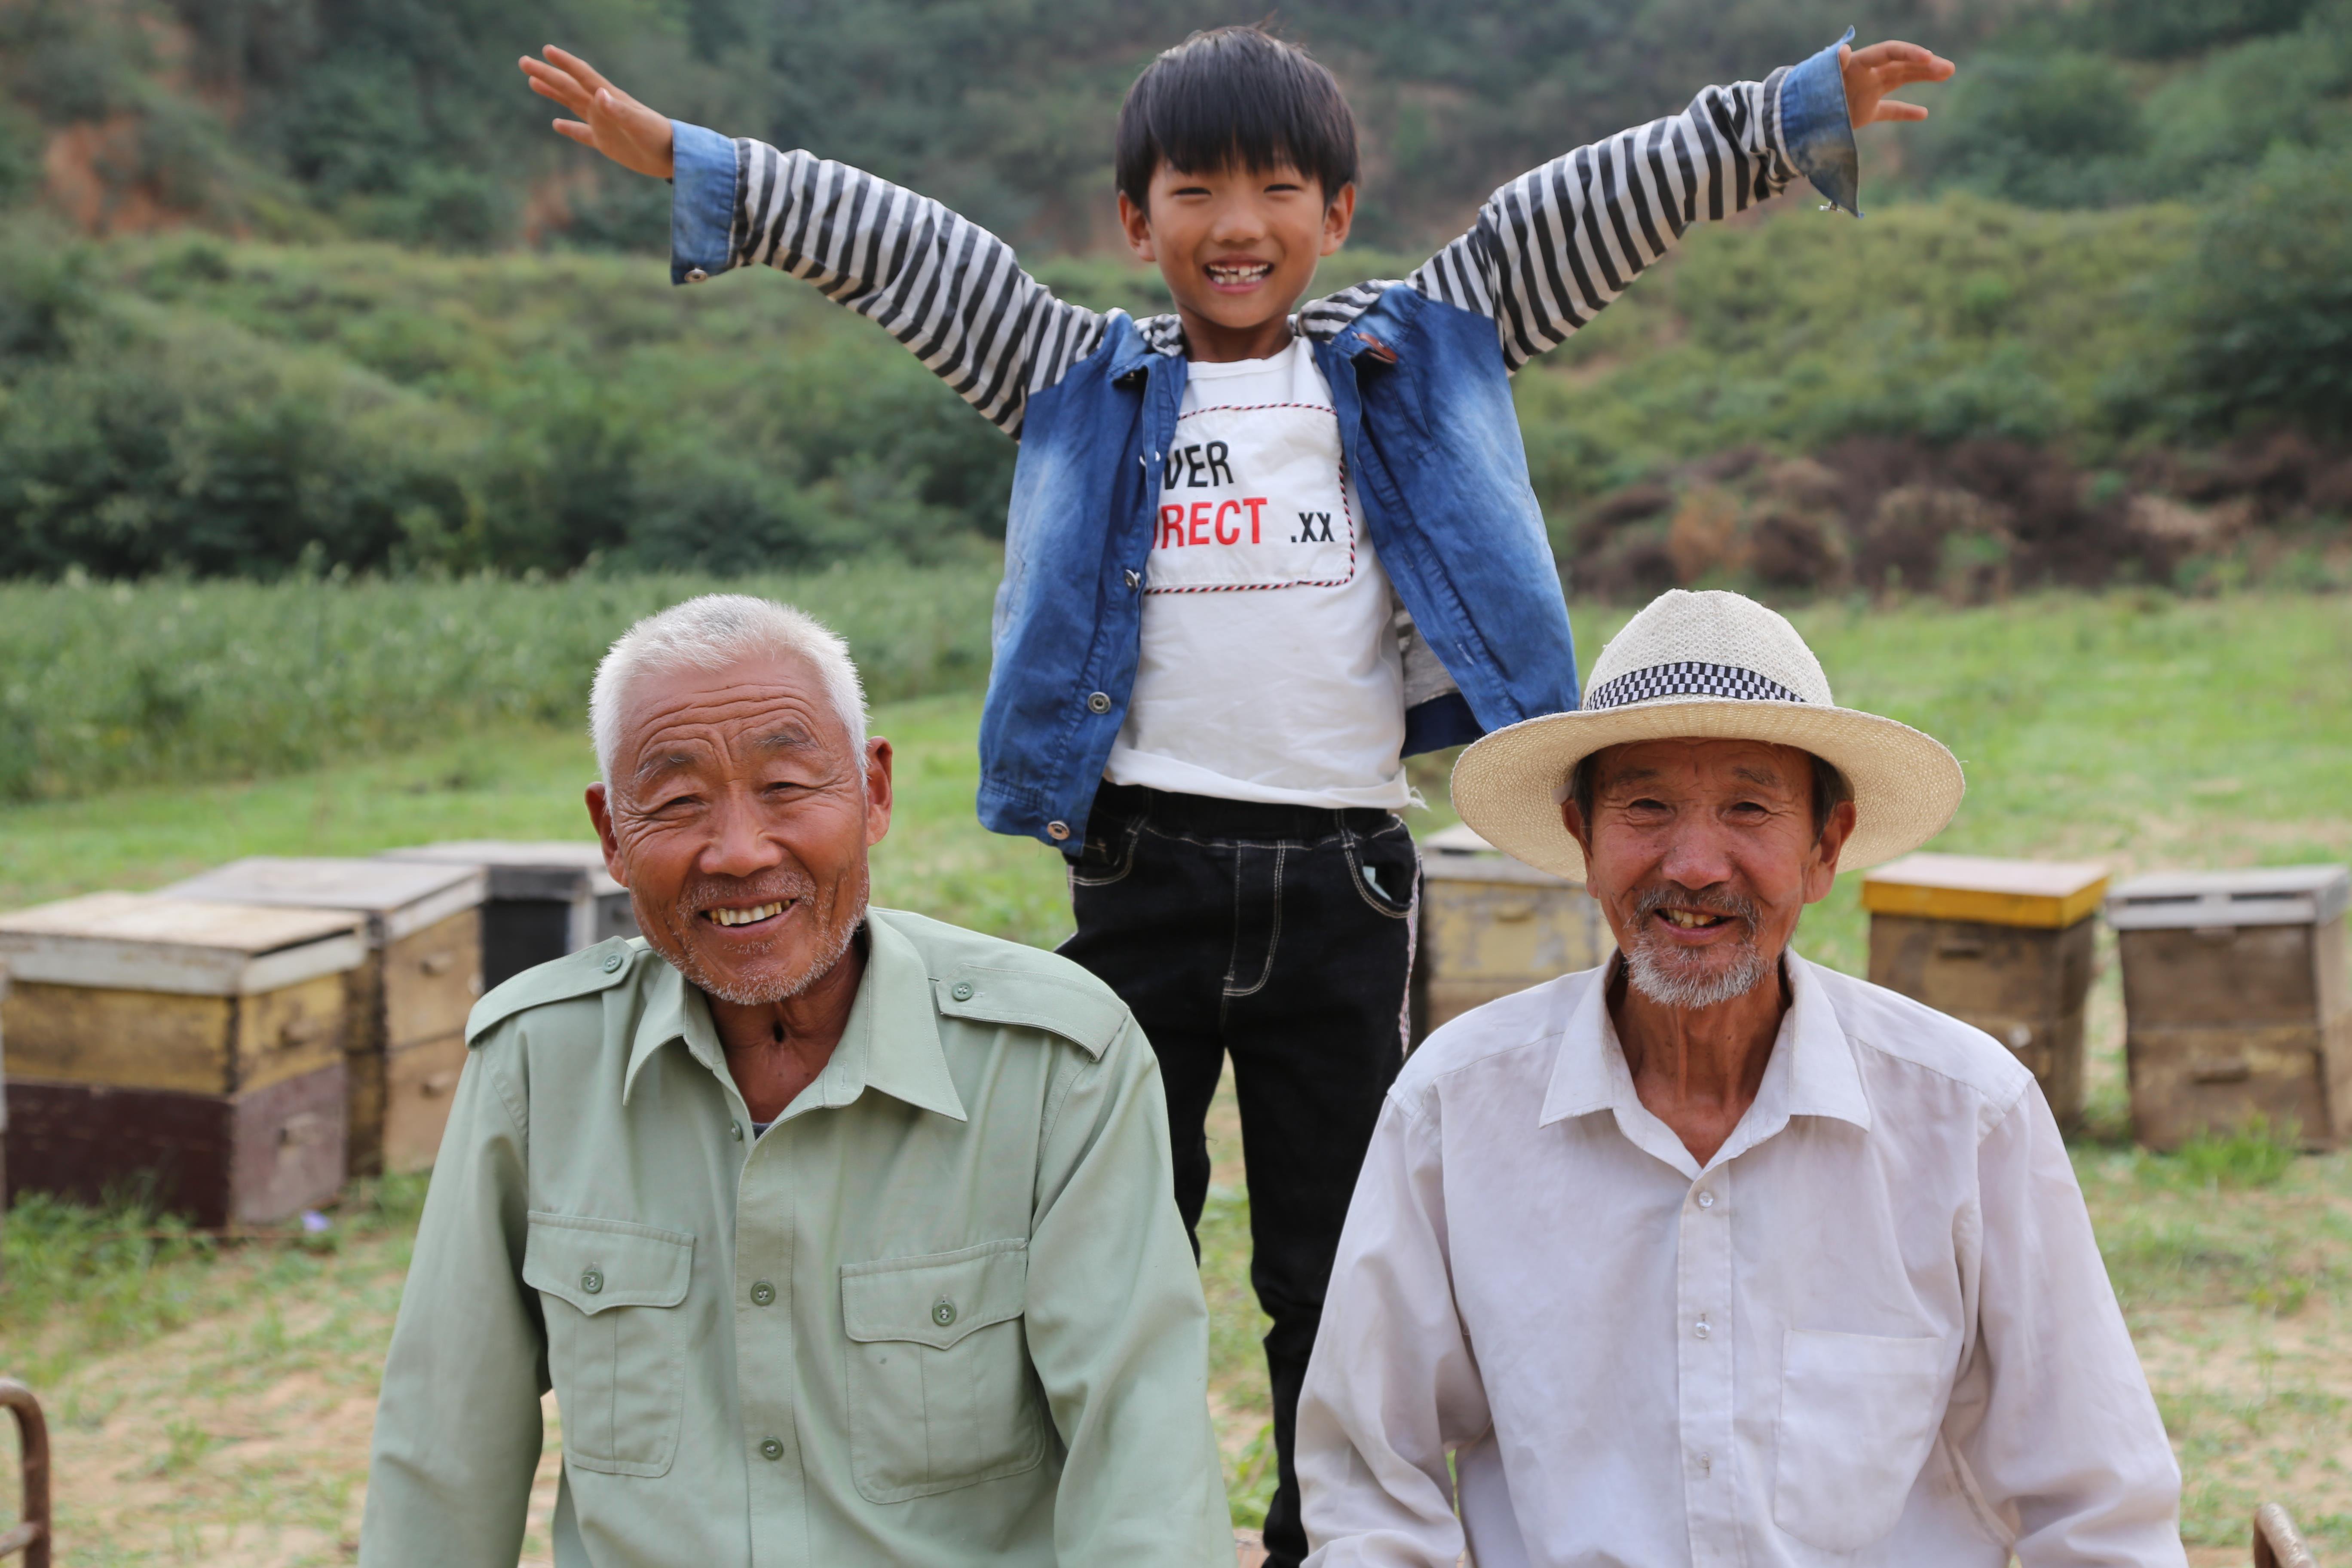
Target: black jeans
1280	936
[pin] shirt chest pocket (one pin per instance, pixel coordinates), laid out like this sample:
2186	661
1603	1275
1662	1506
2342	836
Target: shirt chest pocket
941	1393
610	1291
1859	1415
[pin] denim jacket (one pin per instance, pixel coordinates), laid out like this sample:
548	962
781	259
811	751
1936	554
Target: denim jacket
1419	373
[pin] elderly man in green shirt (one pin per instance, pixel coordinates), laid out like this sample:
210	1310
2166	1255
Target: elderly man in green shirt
841	1235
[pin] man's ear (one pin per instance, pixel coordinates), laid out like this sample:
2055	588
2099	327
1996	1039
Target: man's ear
1573	820
600	812
1136	222
1821	870
1338	217
878	790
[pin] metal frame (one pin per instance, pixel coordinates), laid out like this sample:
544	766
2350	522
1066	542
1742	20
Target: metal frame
2276	1543
31	1537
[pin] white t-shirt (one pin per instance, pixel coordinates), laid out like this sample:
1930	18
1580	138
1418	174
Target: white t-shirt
1269	672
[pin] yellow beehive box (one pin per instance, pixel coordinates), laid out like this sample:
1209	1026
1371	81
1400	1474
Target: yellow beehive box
409	1001
2006	945
195	1045
1491	925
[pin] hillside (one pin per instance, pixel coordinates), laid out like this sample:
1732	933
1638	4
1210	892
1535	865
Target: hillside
335	300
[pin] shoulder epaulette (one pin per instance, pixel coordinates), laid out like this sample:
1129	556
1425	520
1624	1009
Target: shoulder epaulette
575	974
1084	1011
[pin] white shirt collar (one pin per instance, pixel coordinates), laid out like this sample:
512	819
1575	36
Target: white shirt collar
1812	1073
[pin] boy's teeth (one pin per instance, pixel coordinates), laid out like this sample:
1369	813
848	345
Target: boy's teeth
745	917
1242	274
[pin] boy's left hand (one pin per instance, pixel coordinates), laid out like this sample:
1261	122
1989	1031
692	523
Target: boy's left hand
1872	73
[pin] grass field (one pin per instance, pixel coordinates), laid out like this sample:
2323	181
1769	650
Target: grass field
213	1405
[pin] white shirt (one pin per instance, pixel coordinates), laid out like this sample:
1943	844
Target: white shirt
1269	669
1872	1329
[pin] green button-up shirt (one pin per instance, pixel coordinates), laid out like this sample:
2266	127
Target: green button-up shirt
943	1311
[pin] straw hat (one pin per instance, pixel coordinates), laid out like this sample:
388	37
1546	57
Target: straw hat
1711	666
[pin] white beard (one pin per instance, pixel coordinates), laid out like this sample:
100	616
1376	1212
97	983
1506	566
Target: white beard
1655	975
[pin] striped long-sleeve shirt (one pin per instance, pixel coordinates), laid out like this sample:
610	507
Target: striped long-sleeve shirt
1550	250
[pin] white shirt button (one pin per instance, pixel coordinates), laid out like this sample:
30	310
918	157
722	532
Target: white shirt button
1707	1200
1700	1329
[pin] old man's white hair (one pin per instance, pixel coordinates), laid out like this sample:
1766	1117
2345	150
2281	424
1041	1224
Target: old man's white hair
711	633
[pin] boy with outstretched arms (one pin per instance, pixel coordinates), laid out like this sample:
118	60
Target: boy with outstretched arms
1256	555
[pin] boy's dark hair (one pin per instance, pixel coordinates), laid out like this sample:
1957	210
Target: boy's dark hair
1234	97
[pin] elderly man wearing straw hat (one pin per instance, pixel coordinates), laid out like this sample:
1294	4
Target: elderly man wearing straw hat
1711	1256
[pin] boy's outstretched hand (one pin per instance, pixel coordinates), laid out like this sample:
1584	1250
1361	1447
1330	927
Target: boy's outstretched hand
635	137
1870	75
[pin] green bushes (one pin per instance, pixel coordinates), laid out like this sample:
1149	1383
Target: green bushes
2268	302
2064	112
186	404
103	685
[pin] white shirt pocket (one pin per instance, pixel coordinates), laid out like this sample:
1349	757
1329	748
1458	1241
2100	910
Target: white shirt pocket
1859	1415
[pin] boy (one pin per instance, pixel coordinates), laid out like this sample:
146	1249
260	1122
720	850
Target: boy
1257	557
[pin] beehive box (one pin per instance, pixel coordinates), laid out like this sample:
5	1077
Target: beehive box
545	900
2006	945
196	1046
2235	1004
1491	925
409	1001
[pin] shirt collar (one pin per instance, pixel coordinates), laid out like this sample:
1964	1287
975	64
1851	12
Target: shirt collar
891	1042
1812	1071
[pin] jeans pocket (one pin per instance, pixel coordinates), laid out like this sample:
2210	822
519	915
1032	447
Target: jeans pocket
616	1341
1386	869
941	1395
1106	856
1859	1415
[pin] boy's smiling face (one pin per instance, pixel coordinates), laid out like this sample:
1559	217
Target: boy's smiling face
1238	248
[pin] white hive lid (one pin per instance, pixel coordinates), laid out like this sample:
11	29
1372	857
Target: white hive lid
522	868
2276	895
397	898
1457	854
139	942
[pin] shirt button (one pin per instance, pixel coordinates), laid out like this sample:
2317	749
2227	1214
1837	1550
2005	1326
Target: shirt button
1057	831
591	1281
1134	578
943	1311
960	990
1707	1200
613	961
735	1130
1701	1329
763	1294
697	275
771	1449
1099	703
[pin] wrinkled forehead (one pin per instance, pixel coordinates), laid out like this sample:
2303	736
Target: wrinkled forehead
1701	763
740	717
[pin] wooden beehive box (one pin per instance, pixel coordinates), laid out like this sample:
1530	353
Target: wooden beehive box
2235	1003
1491	925
2006	945
545	900
409	1001
197	1045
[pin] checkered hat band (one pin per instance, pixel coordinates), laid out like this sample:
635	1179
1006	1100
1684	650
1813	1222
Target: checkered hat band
1726	680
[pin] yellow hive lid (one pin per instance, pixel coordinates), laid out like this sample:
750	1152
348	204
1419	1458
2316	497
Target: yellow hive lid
2051	894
